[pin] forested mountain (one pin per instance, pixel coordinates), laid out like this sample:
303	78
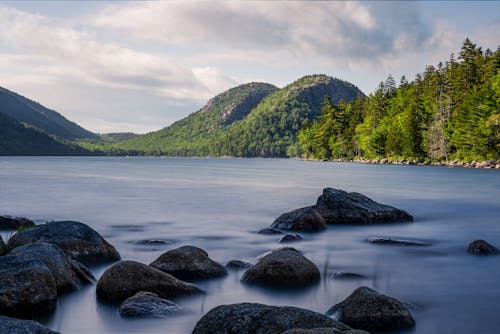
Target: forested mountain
449	112
18	139
35	115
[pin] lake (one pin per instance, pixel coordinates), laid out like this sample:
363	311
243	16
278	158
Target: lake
220	204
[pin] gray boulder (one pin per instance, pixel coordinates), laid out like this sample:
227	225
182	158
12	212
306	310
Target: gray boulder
76	240
27	287
126	278
369	310
189	263
147	304
481	247
249	318
15	223
304	220
290	238
340	207
324	331
270	231
17	326
283	268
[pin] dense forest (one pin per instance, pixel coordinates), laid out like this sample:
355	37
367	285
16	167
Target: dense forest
449	112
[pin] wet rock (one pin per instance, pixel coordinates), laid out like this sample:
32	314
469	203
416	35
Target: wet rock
369	310
481	247
147	304
189	263
126	278
304	220
324	331
283	268
17	326
238	264
152	242
347	275
81	271
76	240
269	230
340	207
3	246
27	287
249	318
15	223
398	241
290	238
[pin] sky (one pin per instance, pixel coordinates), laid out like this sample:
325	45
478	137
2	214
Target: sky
139	66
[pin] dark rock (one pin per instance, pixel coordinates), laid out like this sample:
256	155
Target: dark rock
369	310
269	230
152	242
27	287
15	223
283	268
238	264
481	247
147	304
189	263
17	326
249	318
324	331
81	271
3	246
347	275
398	241
126	278
75	239
304	220
290	238
339	207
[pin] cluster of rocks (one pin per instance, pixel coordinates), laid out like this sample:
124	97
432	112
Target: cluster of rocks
489	164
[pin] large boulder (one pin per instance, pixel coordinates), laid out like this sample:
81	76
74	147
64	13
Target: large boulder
340	207
481	247
126	278
147	304
249	318
283	268
304	220
27	287
188	263
75	239
369	310
15	223
17	326
324	331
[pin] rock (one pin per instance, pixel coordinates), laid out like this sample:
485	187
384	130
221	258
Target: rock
147	304
347	275
17	326
481	247
3	247
189	263
27	287
283	268
339	207
81	271
269	230
304	220
152	242
249	318
398	241
76	240
126	278
324	331
290	238
238	264
15	223
52	256
369	310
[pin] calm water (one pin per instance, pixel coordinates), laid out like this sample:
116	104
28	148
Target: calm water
219	204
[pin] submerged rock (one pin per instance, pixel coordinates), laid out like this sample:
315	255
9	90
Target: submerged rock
189	263
249	318
347	275
76	240
15	223
304	220
481	247
369	310
147	304
340	207
269	230
126	278
290	238
283	268
238	264
324	331
398	241
17	326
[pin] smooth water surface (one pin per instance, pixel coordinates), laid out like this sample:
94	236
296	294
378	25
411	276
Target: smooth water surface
219	204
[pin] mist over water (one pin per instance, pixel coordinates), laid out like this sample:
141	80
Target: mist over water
219	204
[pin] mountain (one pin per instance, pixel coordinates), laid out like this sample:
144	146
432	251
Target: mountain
35	115
18	139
